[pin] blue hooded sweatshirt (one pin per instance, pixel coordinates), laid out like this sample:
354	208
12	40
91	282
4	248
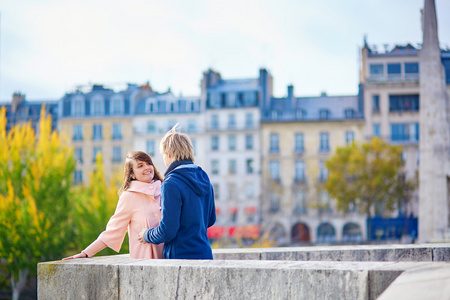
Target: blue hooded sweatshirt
188	210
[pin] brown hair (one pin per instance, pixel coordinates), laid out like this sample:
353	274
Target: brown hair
128	168
177	144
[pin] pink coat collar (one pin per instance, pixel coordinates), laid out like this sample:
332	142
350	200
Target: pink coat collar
144	187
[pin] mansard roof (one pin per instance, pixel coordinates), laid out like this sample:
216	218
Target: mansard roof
235	85
310	108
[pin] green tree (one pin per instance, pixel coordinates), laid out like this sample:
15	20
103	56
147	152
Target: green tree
369	176
35	209
95	204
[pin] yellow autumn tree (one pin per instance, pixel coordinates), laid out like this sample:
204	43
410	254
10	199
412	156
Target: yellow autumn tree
35	210
95	204
368	175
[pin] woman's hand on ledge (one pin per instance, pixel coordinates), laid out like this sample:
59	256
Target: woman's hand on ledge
79	255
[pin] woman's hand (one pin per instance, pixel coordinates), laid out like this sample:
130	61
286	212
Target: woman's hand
141	236
79	255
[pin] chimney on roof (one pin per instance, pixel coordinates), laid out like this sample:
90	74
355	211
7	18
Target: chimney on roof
290	97
17	100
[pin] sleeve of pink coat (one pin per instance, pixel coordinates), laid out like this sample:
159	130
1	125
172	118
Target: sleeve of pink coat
95	247
118	224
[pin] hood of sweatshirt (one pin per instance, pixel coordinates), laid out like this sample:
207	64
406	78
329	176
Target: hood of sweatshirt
193	176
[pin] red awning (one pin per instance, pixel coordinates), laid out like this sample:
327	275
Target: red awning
250	209
248	231
233	210
216	232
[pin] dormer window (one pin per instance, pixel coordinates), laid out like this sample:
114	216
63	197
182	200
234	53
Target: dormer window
349	113
324	114
97	107
300	114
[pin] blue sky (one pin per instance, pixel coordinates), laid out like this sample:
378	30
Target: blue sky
48	47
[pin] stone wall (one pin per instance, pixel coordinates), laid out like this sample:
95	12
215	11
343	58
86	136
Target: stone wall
275	273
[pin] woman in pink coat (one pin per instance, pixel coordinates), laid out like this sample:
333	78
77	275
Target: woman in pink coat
139	206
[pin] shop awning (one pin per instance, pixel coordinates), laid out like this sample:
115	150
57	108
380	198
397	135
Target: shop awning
215	232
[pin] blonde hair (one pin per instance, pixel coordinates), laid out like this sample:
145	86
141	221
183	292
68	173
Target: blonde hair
128	169
177	144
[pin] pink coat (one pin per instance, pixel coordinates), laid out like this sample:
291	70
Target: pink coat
138	207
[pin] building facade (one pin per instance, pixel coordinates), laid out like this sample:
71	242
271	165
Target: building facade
298	135
99	121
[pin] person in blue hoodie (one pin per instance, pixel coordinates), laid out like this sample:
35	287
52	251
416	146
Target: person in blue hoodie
187	200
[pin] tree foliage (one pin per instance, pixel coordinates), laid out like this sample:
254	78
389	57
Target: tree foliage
368	175
35	209
95	204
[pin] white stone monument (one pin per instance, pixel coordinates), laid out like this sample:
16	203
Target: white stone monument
434	169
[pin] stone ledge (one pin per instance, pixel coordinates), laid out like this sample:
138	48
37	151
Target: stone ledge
420	252
119	277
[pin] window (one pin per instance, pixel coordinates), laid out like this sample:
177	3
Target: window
274	169
324	114
249	166
274	143
192	126
411	68
249	190
324	146
151	127
192	106
376	130
299	143
403	102
215	167
300	114
77	132
231	101
394	71
349	137
402	132
231	142
232	166
151	147
79	155
97	107
78	108
117	131
376	70
375	103
325	205
216	188
300	202
248	120
117	107
299	171
117	154
95	152
274	115
215	143
151	107
323	176
214	121
249	142
78	177
249	98
274	203
97	134
349	113
231	121
214	99
172	107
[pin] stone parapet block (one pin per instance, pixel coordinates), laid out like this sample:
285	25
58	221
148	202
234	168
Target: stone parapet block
119	277
420	252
